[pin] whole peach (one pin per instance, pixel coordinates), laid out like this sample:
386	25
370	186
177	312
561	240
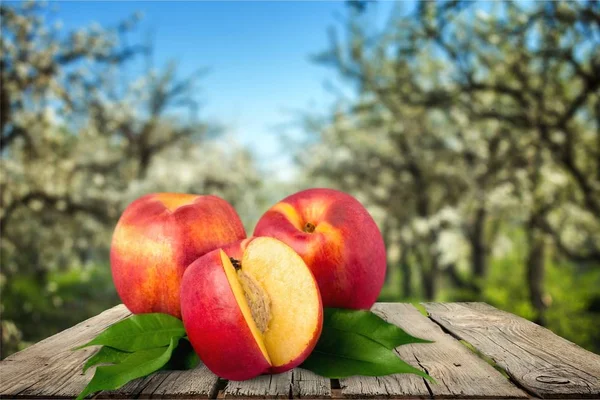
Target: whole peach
337	239
157	237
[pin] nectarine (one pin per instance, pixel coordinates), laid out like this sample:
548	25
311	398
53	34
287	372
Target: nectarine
337	238
261	313
157	237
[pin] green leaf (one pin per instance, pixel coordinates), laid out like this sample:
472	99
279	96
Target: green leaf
106	355
140	332
340	354
367	324
139	364
184	357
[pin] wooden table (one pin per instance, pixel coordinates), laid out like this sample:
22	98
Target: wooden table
479	352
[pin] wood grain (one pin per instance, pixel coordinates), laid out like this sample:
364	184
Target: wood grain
51	366
133	388
266	386
397	386
537	359
307	384
459	373
197	383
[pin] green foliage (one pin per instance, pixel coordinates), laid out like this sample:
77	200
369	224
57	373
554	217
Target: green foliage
63	298
367	324
359	343
106	355
136	347
137	365
140	332
184	357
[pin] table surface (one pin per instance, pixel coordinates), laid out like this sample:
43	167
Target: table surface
479	352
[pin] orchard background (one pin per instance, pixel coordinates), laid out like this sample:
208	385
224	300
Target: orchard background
469	130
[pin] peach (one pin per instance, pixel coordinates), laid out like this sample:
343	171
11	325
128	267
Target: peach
157	237
337	238
261	313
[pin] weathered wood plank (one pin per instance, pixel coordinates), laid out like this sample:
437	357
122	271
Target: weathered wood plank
51	367
384	386
133	388
459	373
266	386
536	358
149	385
307	384
197	383
556	369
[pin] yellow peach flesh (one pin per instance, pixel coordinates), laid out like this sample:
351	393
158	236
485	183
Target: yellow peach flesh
238	292
293	295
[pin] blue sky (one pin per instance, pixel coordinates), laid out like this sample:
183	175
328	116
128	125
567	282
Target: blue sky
257	52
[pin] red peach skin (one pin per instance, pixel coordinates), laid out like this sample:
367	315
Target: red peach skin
345	250
157	237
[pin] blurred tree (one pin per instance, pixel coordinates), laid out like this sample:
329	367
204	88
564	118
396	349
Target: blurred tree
79	142
470	119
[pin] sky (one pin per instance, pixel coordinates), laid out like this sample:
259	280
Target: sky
258	55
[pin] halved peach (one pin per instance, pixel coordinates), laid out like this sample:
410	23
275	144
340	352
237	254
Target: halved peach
258	314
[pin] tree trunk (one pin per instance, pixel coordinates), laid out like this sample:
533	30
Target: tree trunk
479	251
536	272
145	157
430	271
406	274
467	289
428	285
428	263
428	274
386	232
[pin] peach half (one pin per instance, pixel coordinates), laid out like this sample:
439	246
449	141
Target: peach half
259	314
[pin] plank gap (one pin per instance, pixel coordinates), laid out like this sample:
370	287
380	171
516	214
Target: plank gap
307	384
505	372
20	392
485	358
217	392
473	349
161	379
425	380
